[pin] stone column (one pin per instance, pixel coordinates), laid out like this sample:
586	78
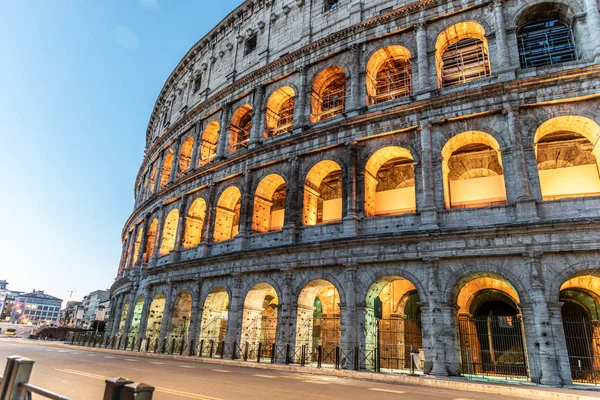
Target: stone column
130	311
119	303
165	323
502	52
175	165
111	319
236	306
159	173
429	217
349	315
301	111
209	222
593	23
145	313
197	146
285	323
245	210
350	220
223	132
176	252
293	206
258	109
123	258
195	320
157	238
357	82
140	255
422	60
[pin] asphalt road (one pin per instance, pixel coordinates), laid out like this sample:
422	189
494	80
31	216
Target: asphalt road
80	374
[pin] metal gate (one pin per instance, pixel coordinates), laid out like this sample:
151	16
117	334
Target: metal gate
493	346
400	343
583	346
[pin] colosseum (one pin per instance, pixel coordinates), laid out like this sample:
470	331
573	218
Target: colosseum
390	186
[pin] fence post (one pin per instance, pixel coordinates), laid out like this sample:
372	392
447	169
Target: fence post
303	355
21	371
192	351
337	357
245	358
137	391
210	350
113	387
273	354
181	348
259	352
356	359
223	349
412	362
126	342
173	346
233	350
287	354
319	356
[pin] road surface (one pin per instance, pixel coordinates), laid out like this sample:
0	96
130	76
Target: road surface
80	374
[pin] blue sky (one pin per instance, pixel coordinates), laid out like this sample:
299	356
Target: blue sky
78	80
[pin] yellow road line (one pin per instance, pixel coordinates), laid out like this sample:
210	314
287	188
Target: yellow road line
387	390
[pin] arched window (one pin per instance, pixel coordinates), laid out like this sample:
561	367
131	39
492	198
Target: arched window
241	125
169	232
185	155
165	174
462	54
473	173
544	38
150	240
280	112
390	182
194	224
328	94
227	219
567	154
323	201
269	204
389	74
136	245
153	179
208	148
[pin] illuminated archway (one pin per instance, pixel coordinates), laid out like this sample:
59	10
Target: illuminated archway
568	157
390	182
323	200
239	131
279	116
165	174
123	317
136	245
214	320
180	319
389	74
328	97
269	204
461	54
153	179
155	315
318	318
185	155
194	224
490	327
169	232
259	321
150	240
472	171
208	147
400	337
580	296
137	316
227	219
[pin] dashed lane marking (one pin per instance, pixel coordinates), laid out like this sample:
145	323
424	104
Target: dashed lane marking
130	359
387	390
109	357
267	376
91	355
156	362
186	366
220	370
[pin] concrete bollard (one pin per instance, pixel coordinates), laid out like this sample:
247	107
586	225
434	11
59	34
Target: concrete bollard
137	391
114	387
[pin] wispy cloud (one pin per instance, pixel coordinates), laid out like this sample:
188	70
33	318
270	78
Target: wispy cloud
125	37
148	3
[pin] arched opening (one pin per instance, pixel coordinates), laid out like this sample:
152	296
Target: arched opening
180	321
137	316
136	245
155	315
194	224
165	174
390	182
389	74
318	319
490	327
185	155
259	323
323	201
567	154
461	54
400	337
169	232
280	112
239	131
473	172
150	240
123	317
269	204
580	296
227	219
208	147
153	179
214	321
328	97
544	36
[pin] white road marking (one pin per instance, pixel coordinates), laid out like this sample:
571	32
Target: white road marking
156	362
130	359
109	357
267	376
91	355
387	390
220	370
186	366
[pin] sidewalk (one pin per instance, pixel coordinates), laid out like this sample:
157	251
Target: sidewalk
525	391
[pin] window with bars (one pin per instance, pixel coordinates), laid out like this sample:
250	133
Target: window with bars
283	119
393	80
240	135
464	61
545	43
332	99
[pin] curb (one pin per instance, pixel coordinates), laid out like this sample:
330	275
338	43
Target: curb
533	392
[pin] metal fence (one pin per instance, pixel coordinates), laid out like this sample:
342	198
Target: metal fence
582	337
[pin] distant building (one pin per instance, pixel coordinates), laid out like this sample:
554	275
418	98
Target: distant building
91	305
7	299
68	314
36	307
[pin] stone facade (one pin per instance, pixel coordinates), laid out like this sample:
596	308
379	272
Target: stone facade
200	231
